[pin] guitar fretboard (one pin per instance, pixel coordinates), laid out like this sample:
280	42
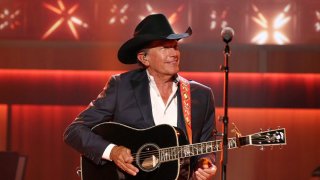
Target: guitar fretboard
174	153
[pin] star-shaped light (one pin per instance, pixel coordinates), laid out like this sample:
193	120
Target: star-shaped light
279	22
216	20
118	14
317	24
66	16
172	18
9	19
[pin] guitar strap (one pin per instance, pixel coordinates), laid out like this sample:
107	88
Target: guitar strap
186	105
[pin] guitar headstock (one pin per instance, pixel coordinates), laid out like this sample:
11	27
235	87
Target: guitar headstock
268	138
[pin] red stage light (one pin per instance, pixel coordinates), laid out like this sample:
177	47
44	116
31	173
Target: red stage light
317	24
119	14
218	20
271	32
9	19
66	15
172	18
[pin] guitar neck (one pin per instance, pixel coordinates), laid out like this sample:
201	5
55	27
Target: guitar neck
174	153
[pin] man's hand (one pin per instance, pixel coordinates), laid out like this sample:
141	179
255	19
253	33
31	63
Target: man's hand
122	157
205	171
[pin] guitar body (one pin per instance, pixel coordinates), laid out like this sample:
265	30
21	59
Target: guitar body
143	143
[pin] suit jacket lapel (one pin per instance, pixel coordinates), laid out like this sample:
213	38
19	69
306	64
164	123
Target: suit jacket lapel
140	84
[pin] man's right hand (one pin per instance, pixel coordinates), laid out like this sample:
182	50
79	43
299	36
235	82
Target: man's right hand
122	157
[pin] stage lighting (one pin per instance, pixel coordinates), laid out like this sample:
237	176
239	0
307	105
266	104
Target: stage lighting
118	14
271	29
218	20
317	24
9	19
172	17
65	16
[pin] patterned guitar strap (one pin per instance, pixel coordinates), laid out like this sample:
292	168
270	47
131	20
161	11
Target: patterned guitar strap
186	105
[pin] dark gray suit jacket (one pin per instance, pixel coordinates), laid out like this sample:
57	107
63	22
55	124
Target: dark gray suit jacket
126	100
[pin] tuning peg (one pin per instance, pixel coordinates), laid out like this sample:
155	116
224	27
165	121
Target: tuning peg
261	148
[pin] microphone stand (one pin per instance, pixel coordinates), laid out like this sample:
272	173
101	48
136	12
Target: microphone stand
224	118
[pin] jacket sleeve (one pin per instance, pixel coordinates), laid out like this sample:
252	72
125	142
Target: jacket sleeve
79	135
208	126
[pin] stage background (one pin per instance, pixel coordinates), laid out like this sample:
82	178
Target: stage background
49	75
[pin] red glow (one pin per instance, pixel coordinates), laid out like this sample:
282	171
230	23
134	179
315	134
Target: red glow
66	15
246	89
9	19
119	13
172	18
241	80
206	76
3	126
317	24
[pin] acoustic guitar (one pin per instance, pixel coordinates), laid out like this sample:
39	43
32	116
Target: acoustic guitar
162	152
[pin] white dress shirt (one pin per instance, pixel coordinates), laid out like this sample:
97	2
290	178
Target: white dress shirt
162	113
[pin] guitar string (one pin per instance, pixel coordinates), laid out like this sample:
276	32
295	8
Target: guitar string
214	146
183	151
177	152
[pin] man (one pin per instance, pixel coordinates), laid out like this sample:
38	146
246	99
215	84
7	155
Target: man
147	97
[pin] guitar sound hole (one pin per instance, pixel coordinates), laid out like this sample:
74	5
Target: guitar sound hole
148	157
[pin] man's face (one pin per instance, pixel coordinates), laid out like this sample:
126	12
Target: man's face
163	58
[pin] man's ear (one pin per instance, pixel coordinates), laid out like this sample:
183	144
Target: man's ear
142	57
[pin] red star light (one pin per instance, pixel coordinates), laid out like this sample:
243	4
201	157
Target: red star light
119	13
66	16
215	18
172	18
9	19
317	24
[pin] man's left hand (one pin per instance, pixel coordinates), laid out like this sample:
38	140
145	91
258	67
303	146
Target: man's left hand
206	171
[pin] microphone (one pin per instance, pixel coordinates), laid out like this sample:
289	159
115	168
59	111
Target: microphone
227	34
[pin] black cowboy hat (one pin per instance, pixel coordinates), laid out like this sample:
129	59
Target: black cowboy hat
153	27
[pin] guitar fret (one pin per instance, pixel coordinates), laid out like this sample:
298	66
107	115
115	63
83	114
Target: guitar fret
164	155
208	146
173	153
186	151
194	149
217	146
232	143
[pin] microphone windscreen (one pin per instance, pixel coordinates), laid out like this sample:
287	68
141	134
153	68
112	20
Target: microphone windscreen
227	34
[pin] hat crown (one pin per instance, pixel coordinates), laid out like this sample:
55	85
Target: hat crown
155	24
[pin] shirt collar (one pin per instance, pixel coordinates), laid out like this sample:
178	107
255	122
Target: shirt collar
151	78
